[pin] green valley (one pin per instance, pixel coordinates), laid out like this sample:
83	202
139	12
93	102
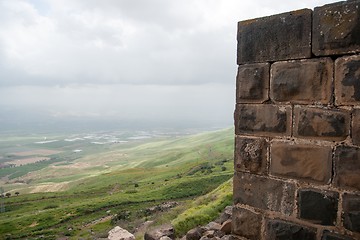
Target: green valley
81	187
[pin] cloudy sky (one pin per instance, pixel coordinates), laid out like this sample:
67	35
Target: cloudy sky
134	60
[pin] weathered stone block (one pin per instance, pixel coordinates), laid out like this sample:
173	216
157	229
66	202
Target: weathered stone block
300	161
281	230
302	81
347	167
336	28
246	223
333	236
251	154
351	212
347	80
278	37
264	193
252	83
323	124
263	119
318	207
356	127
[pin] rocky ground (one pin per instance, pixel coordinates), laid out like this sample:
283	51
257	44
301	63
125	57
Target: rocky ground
219	229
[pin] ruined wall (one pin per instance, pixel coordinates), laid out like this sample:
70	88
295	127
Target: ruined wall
297	125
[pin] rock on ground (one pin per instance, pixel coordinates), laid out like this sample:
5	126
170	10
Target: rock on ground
162	231
119	233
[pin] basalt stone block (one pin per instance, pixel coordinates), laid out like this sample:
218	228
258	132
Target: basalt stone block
347	80
251	154
263	119
264	193
318	207
273	38
333	236
252	83
351	212
246	223
281	230
336	28
347	167
332	125
301	161
302	81
356	127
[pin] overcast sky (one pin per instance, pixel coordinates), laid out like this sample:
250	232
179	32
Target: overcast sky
124	59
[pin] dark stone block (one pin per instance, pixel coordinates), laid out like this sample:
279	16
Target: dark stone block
301	161
336	28
318	207
302	81
321	124
347	80
252	83
273	38
263	119
356	127
351	212
246	223
264	193
333	236
281	230
347	167
251	154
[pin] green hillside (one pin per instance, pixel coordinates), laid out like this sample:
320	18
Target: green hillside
78	196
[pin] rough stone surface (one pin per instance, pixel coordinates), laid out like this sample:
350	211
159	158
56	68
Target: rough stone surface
251	154
194	234
264	193
347	167
351	212
252	83
302	81
316	123
300	161
333	236
156	234
165	238
336	28
347	80
226	226
278	37
263	119
119	233
356	127
212	226
246	223
297	126
225	215
281	230
318	207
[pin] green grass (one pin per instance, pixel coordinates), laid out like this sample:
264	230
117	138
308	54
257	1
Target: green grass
204	209
136	176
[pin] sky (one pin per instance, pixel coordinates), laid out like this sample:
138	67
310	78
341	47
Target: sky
135	61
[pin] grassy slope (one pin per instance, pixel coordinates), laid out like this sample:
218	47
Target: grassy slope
163	170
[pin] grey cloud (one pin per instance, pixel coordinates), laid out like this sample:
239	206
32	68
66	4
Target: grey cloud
124	59
118	42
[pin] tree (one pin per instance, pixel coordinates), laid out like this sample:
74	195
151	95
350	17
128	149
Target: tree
8	194
17	193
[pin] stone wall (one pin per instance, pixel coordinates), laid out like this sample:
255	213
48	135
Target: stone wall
297	125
